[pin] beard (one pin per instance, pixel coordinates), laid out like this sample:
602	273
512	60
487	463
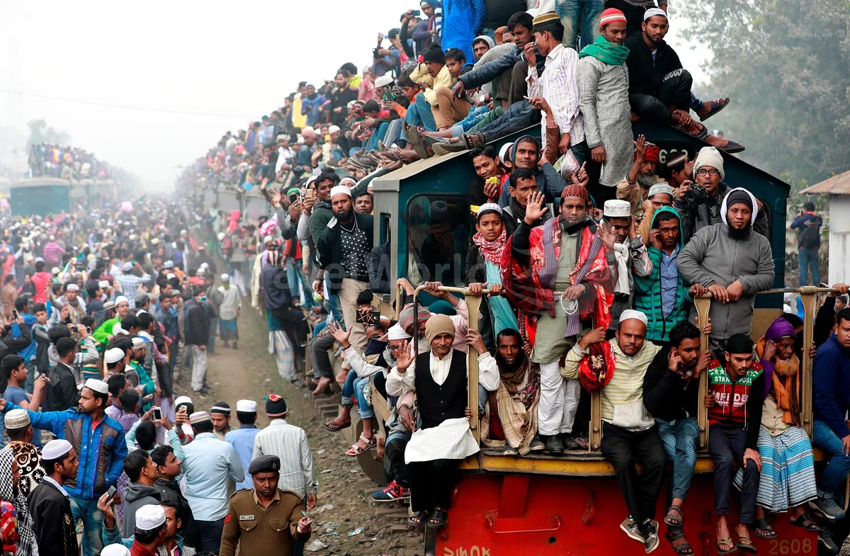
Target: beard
345	216
740	234
505	367
646	180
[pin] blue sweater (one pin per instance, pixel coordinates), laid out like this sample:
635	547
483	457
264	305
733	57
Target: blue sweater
101	451
831	377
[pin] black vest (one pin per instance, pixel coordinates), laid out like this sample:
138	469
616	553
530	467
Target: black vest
440	402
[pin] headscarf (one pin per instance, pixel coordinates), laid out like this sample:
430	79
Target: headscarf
739	195
491	250
605	51
784	376
26	543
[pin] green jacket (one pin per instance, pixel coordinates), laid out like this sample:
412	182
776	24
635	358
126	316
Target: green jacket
648	292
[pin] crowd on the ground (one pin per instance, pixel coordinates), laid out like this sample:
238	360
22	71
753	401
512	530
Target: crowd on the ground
588	251
66	162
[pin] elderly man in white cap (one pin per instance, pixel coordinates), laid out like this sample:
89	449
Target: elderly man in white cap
228	312
86	426
242	439
629	432
700	203
627	255
49	503
344	250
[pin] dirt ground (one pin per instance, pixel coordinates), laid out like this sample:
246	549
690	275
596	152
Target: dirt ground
343	506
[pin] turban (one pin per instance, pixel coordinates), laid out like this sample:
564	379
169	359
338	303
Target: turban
439	324
739	343
652	152
610	16
405	319
574	191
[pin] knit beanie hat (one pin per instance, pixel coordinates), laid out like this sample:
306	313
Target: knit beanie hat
434	54
709	156
439	324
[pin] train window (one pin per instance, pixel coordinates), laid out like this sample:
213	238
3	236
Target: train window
438	232
384	229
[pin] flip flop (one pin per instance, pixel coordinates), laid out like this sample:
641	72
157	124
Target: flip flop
801	521
438	519
716	106
764	526
417	519
746	545
727	541
732	147
333	426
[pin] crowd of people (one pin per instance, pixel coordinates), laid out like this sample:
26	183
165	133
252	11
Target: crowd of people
588	252
68	162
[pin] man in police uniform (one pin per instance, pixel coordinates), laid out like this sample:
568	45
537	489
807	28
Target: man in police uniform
264	516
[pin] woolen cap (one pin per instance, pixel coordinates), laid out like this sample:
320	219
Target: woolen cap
275	406
439	324
222	408
711	157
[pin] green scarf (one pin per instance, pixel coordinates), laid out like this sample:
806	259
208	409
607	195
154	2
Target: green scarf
605	51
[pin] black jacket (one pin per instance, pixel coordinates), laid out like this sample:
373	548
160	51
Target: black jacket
330	250
171	489
52	521
62	392
646	74
379	269
197	325
666	394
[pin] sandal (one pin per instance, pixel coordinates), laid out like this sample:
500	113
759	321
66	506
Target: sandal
417	519
333	426
806	522
732	147
727	541
438	519
763	525
683	549
746	545
356	450
715	106
672	520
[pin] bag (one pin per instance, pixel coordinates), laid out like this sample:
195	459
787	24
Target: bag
597	367
809	237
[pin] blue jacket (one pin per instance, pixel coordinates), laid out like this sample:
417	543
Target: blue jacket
101	451
831	377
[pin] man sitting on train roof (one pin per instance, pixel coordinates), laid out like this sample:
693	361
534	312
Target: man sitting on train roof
635	185
734	263
671	394
511	414
439	379
735	404
563	255
629	433
660	88
831	379
699	211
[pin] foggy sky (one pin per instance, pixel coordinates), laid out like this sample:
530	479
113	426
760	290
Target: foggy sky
233	61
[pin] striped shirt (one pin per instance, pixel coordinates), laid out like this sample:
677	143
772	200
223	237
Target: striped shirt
622	397
130	283
559	86
289	443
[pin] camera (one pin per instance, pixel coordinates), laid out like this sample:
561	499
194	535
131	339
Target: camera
696	195
415	13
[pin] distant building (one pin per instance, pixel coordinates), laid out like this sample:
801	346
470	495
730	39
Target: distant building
838	189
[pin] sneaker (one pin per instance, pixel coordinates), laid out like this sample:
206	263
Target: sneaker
553	444
536	445
392	492
508	450
825	505
825	539
630	528
570	443
651	536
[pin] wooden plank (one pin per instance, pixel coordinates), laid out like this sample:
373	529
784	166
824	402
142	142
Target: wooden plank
473	303
808	295
703	305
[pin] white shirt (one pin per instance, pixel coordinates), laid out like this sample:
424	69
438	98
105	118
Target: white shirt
559	86
289	443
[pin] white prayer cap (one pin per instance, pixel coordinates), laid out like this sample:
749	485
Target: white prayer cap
632	314
660	188
113	355
503	152
333	129
17	419
149	517
204	266
73	288
268	239
225	277
127	267
55	449
103	283
220	236
246	406
168	264
396	332
654	11
138	342
182	399
115	550
384	80
121	299
155	241
340	190
615	208
97	386
199	417
55	270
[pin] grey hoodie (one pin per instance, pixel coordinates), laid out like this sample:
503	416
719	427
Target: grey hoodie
712	256
136	496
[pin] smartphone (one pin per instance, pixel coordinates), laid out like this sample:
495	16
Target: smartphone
294	198
15	314
157	413
371	318
111	492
